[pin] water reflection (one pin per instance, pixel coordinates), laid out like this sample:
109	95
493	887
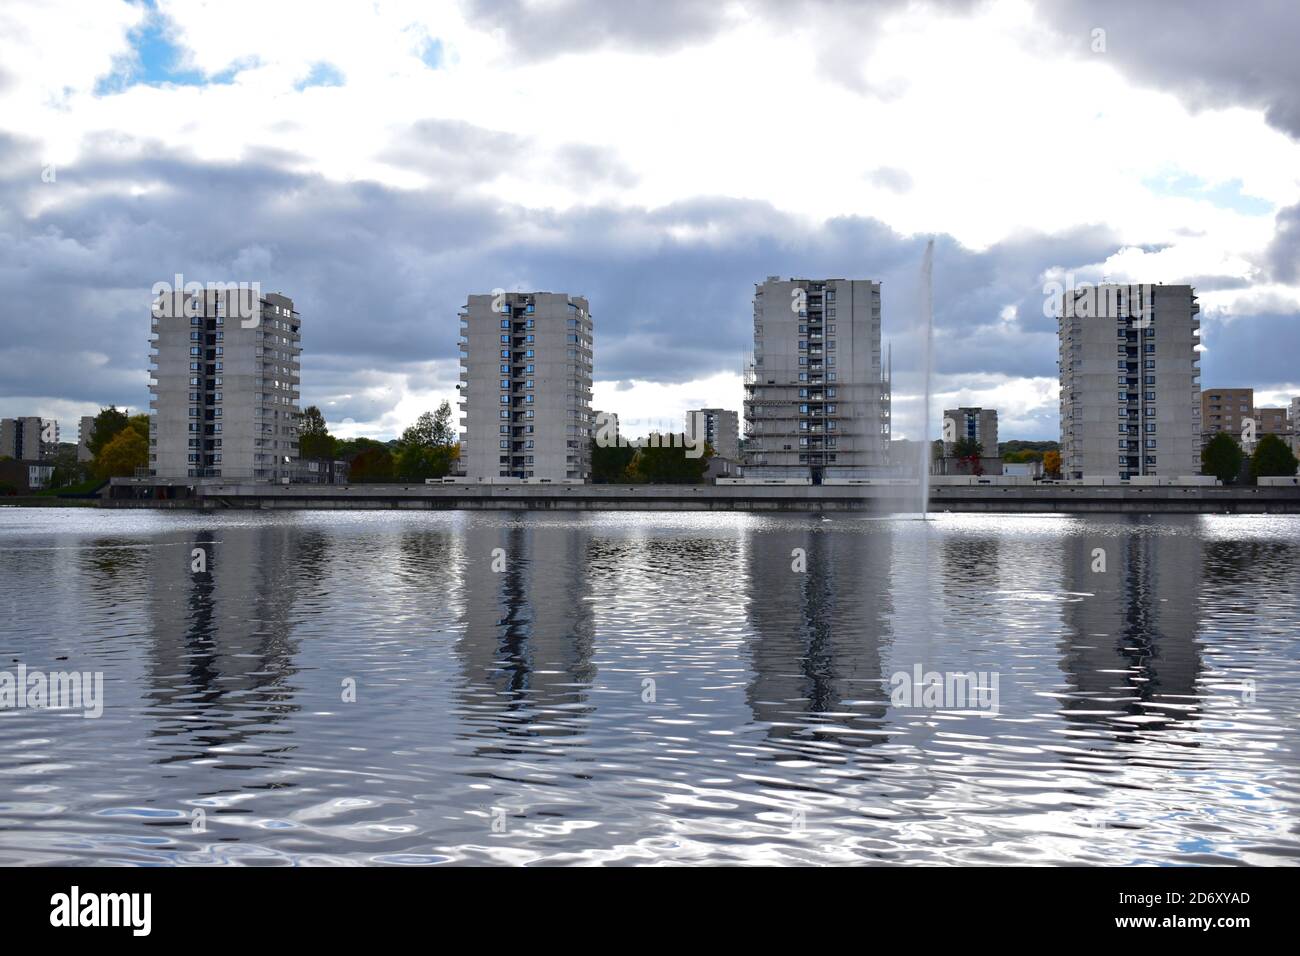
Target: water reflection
222	652
527	636
817	634
1129	649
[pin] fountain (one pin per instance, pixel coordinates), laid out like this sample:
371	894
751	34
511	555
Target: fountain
927	345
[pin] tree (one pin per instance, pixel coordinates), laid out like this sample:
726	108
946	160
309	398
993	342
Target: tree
665	463
314	439
968	452
432	429
610	463
108	423
421	433
444	432
1221	457
1272	458
418	462
371	464
127	451
67	469
1052	464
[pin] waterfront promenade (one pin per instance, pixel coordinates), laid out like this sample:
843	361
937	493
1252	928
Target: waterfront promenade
1049	498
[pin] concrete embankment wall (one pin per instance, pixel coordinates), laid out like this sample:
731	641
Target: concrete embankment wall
1070	499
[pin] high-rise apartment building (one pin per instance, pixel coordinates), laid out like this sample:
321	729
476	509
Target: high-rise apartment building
225	381
816	399
720	427
29	438
1130	381
525	381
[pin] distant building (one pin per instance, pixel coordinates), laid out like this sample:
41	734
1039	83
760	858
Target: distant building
1295	427
526	375
1022	469
29	438
224	393
1272	421
816	397
1225	410
325	471
85	432
720	427
25	476
973	422
1130	381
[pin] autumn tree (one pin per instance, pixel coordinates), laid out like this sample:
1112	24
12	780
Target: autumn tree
1052	464
125	452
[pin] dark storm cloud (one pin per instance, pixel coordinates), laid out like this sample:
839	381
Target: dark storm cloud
1208	52
1254	351
1284	251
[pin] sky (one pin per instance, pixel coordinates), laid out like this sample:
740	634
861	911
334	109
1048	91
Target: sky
379	162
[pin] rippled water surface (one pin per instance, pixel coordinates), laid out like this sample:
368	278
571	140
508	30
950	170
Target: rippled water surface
650	688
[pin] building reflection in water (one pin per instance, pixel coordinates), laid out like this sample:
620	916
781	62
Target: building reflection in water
221	655
816	642
1131	653
527	635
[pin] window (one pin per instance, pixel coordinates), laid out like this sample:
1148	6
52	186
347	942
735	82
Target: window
505	340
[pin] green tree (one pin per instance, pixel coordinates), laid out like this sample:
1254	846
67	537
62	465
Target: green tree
418	462
314	439
67	469
127	451
668	464
1272	458
444	432
1221	457
611	462
108	423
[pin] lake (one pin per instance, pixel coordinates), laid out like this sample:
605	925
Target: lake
634	688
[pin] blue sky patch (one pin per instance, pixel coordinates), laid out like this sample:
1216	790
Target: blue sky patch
322	74
1224	195
156	60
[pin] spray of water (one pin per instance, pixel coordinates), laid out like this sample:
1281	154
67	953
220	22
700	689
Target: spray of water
927	345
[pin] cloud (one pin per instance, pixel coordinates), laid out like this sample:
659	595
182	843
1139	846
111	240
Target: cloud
1211	54
891	178
1284	251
